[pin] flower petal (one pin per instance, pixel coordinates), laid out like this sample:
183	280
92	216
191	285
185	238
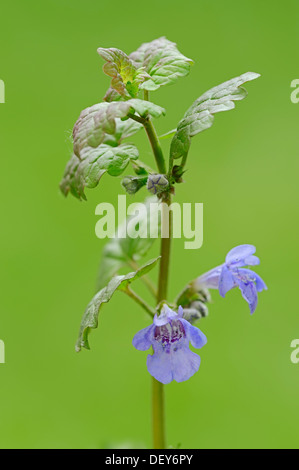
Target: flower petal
177	365
209	280
248	274
194	335
159	366
165	316
239	253
249	293
143	339
226	281
184	363
251	260
180	311
260	285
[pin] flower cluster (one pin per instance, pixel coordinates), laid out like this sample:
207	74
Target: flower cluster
171	333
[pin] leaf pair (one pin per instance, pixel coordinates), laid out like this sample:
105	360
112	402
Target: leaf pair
97	123
98	147
154	64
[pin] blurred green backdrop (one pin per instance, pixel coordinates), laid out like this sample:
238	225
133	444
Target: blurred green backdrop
244	170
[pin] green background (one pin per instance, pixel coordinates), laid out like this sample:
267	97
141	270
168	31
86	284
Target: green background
244	170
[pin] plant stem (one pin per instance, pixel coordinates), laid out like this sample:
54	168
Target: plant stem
153	138
157	387
140	301
146	95
136	118
166	226
158	414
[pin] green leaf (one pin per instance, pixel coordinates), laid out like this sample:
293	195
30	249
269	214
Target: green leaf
167	135
93	163
96	122
126	77
97	135
162	61
85	132
125	129
132	184
143	108
90	317
122	249
200	115
112	95
141	168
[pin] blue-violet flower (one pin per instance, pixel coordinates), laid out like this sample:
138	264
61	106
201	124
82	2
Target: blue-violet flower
233	274
170	335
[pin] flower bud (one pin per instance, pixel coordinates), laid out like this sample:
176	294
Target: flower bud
200	307
191	315
196	311
202	292
177	173
157	183
132	184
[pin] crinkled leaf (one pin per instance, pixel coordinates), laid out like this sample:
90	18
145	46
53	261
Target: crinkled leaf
123	129
67	183
85	132
96	122
126	128
93	163
122	249
162	61
97	135
90	317
200	115
143	108
112	95
119	67
126	77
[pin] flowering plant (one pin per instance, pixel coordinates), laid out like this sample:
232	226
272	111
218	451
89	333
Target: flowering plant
99	145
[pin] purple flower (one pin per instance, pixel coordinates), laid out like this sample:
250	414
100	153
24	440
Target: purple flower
233	274
170	335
